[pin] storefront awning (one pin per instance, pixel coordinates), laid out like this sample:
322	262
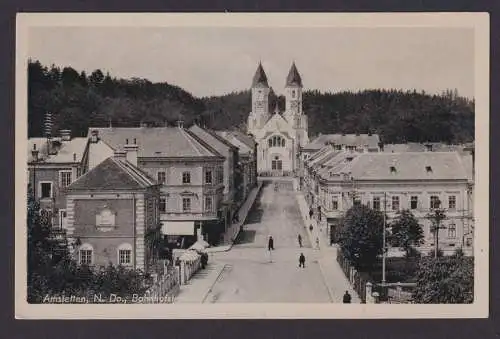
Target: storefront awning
177	227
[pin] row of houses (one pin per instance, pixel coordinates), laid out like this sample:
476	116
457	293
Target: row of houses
339	171
110	191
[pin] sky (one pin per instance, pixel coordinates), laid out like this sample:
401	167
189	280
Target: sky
217	60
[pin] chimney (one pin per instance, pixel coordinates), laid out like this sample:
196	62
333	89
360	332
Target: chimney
65	134
180	123
74	157
131	151
94	136
120	155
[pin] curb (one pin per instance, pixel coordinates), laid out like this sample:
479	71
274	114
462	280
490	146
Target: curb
213	284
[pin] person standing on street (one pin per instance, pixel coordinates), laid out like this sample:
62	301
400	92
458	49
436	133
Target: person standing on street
317	243
302	260
311	212
270	243
299	238
347	298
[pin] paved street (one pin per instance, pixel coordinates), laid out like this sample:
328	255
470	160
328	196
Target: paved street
250	276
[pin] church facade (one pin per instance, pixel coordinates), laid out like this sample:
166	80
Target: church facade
280	134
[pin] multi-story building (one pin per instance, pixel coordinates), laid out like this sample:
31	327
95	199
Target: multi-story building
231	173
247	165
53	164
190	173
279	135
417	181
113	215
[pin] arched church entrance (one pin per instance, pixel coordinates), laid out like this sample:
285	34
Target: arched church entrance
277	165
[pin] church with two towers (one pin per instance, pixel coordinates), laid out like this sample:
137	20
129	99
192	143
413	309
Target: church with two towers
280	134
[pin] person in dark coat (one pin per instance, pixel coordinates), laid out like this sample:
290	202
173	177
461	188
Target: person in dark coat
347	298
299	238
302	260
311	212
270	243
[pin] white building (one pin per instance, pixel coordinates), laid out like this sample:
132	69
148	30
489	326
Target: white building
280	134
417	181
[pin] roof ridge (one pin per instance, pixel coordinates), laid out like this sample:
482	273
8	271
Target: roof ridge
184	134
131	170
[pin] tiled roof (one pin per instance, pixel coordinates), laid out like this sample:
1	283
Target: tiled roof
360	140
71	151
260	78
212	138
242	146
293	78
405	166
113	174
157	141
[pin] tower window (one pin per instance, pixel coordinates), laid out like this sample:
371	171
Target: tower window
293	94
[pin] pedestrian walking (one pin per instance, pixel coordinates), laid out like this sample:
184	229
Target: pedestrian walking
347	298
299	238
311	212
302	260
311	227
317	243
270	243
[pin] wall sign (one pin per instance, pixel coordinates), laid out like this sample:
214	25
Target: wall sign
105	220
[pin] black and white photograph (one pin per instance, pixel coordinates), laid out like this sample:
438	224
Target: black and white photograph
252	165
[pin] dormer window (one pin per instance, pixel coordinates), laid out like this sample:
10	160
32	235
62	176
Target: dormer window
393	169
126	141
428	169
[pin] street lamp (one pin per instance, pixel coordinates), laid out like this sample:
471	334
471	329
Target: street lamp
34	155
383	240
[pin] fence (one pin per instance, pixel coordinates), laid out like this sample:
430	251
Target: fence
396	293
357	279
164	289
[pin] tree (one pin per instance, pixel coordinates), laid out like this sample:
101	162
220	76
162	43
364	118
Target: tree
56	275
360	236
407	233
445	280
436	217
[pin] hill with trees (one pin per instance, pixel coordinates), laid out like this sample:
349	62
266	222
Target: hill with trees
78	100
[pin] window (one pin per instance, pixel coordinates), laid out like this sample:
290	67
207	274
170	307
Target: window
186	178
62	218
335	204
434	201
163	204
209	204
395	203
186	204
125	254
85	254
208	177
376	203
293	94
357	201
65	178
45	190
78	172
161	177
413	202
452	231
452	202
276	141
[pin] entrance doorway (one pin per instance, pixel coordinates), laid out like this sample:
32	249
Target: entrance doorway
277	165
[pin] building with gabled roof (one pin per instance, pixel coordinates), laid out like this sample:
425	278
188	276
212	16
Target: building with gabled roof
112	215
279	135
189	170
53	164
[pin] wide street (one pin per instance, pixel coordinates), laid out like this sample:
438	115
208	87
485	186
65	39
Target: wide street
251	275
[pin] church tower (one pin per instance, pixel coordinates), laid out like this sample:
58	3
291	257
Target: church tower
260	101
293	93
294	113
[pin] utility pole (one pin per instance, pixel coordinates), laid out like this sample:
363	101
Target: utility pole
383	240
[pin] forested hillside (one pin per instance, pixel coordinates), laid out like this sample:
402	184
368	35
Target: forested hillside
78	100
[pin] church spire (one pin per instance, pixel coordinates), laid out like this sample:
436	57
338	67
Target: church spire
260	78
293	79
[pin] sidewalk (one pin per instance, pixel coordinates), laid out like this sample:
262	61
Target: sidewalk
234	229
335	279
198	287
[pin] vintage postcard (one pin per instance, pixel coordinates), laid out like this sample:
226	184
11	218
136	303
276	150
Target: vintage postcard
252	165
